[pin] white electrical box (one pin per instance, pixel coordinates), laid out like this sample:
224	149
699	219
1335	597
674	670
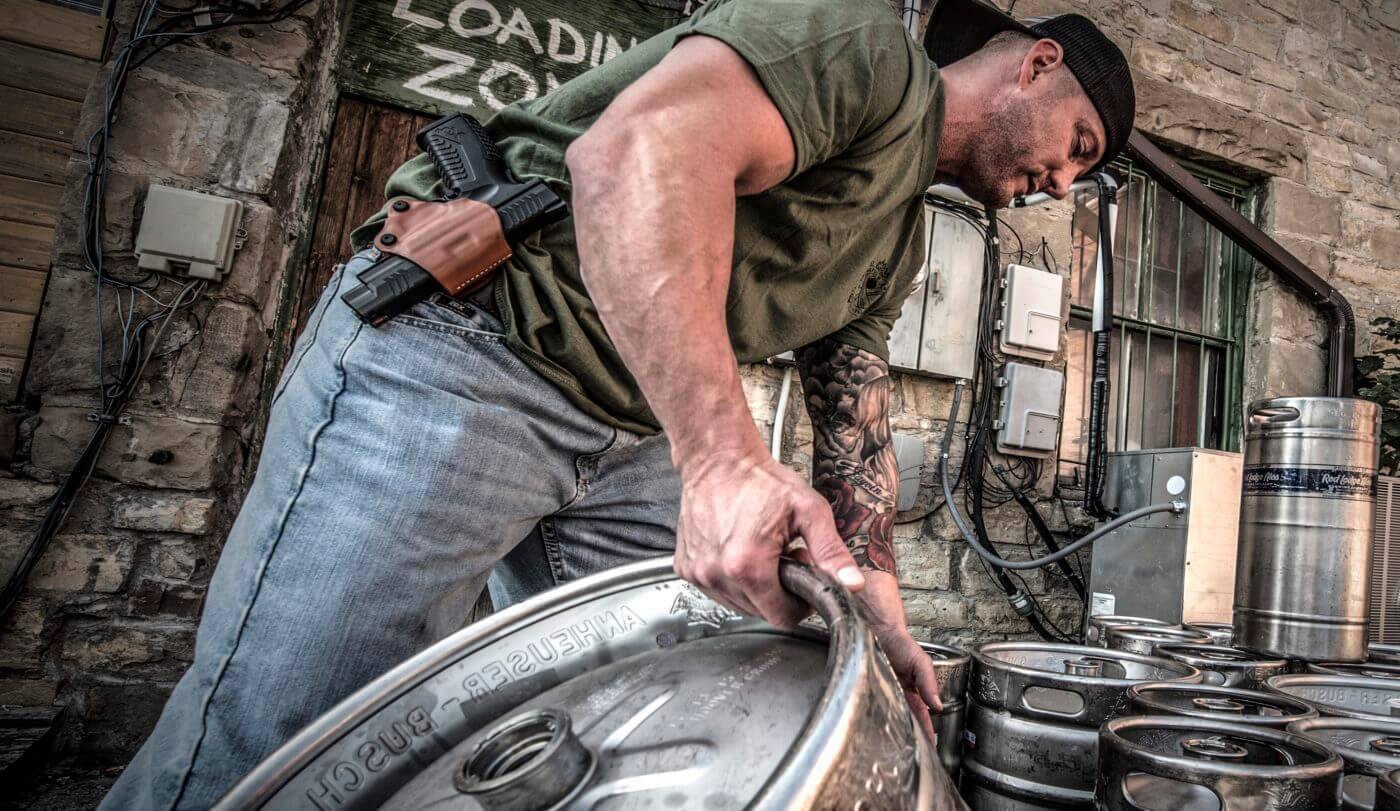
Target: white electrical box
936	332
1030	410
188	233
1031	324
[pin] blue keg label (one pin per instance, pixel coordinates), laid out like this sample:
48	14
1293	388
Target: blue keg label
1343	482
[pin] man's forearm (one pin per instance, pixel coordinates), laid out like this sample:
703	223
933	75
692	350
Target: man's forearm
853	462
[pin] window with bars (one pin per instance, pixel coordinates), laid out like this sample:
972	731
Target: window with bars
1179	290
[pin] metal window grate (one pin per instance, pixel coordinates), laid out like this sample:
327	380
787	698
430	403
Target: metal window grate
1385	563
1180	289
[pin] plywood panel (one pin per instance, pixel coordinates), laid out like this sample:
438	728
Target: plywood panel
49	72
31	201
35	113
21	289
15	329
25	245
33	158
44	25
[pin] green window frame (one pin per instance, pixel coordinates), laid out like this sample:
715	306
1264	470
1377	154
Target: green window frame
1180	289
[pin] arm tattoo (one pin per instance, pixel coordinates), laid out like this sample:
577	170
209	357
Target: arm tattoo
848	393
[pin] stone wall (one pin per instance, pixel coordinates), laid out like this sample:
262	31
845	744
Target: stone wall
1299	96
106	624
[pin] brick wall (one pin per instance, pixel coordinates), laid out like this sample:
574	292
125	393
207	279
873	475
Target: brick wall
1298	94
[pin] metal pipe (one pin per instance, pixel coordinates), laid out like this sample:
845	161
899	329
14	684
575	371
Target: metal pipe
1341	332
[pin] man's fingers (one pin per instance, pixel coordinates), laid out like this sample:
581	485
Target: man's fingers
926	682
814	523
921	714
754	571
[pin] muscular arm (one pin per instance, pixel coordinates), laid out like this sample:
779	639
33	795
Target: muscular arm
853	465
655	181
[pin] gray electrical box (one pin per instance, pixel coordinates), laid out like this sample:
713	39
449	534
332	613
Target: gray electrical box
1030	315
909	456
1168	566
1030	410
188	233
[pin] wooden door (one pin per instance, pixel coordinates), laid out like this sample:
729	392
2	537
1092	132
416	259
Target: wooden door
369	141
51	54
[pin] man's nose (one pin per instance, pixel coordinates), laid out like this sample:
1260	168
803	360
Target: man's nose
1060	182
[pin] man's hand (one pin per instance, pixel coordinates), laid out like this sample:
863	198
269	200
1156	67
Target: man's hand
738	514
911	665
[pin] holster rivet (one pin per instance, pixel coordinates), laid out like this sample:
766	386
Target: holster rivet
387	239
400	205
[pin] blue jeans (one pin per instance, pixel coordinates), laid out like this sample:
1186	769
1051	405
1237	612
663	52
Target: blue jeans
401	465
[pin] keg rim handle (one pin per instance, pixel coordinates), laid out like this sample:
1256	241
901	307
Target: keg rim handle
1273	415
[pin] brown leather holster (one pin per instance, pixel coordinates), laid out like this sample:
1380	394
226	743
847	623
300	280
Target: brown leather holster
458	242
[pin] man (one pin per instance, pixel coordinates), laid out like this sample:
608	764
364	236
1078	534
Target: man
746	183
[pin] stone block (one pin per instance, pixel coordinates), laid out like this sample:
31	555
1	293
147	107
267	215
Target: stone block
1286	8
152	649
1299	210
162	512
1383	116
1170	111
1351	130
1219	85
1272	73
1359	34
1291	108
1330	177
178	561
1204	21
26	692
154	451
1155	59
1294	369
1282	315
1303	48
1225	58
1320	89
1384	246
225	379
83	563
934	609
256	263
922	563
1331	150
22	636
994	614
279	48
25	493
1263	41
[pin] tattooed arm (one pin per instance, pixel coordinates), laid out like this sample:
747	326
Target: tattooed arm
853	465
848	393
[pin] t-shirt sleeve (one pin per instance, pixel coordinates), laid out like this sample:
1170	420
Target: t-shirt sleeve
871	331
835	69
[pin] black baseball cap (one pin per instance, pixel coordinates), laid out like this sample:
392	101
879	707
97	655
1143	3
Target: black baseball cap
958	28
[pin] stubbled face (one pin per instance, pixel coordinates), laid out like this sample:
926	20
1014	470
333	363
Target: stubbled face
1038	136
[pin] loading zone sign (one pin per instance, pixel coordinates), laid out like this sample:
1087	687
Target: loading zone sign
477	56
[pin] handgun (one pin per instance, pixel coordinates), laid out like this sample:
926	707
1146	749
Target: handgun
452	244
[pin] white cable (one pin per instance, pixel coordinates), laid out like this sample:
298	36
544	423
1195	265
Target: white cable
776	444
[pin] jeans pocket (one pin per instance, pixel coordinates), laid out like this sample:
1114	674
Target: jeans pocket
442	314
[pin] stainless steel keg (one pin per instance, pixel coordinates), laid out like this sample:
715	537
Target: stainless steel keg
1369	749
1145	639
1187	764
625	690
951	667
1225	666
1221	633
1383	654
1342	696
1033	713
1095	630
1304	562
1388	791
1365	670
1209	702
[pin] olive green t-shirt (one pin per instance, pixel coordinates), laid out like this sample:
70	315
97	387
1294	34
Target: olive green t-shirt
832	251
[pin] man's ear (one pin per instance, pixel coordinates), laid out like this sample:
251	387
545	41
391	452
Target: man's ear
1044	57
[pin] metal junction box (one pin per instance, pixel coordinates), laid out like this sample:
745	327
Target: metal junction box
188	233
1029	424
1031	325
1177	568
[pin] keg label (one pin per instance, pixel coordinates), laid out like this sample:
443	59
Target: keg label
1341	482
1102	603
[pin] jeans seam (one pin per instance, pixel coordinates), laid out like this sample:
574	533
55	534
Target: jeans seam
339	276
261	573
549	537
451	329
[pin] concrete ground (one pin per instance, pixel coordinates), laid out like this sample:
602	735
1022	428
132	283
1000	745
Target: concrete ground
65	785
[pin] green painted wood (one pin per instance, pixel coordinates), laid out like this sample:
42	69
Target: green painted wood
476	56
